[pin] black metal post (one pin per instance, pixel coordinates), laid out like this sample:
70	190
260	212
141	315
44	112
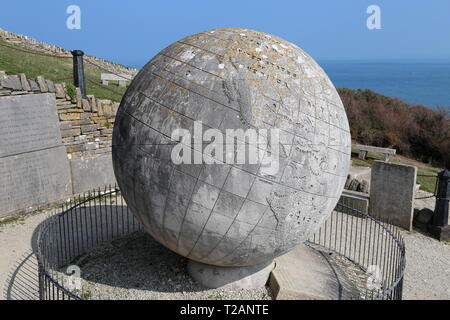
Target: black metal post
78	71
439	226
41	281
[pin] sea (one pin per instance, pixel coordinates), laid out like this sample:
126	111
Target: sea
425	82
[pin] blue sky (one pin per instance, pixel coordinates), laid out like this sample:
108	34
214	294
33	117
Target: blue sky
131	32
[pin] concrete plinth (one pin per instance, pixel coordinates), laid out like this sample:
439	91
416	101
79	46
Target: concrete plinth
307	274
233	278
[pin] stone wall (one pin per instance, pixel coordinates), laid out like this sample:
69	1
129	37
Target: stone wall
85	124
84	136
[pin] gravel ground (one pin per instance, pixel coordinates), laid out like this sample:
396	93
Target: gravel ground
16	241
427	268
427	260
427	271
139	268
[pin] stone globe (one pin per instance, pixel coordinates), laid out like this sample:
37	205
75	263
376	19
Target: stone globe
225	212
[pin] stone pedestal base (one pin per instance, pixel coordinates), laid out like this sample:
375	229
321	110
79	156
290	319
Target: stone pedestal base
440	233
305	273
233	278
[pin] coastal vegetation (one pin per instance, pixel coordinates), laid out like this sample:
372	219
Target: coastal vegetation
415	131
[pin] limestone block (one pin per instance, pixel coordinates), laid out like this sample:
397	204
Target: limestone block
50	86
11	82
70	133
60	92
42	84
24	82
392	192
33	85
89	128
69	116
86	105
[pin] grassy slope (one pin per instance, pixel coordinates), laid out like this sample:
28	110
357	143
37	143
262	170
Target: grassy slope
15	62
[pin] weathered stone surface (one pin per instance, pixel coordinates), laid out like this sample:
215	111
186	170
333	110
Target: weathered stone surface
33	163
33	178
50	86
18	93
79	98
93	103
107	110
76	148
392	192
10	82
88	174
232	215
42	84
24	82
33	85
89	128
363	187
308	274
60	93
106	131
28	123
230	278
69	116
86	105
355	200
70	133
92	146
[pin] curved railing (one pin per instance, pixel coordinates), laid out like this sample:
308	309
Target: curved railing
374	248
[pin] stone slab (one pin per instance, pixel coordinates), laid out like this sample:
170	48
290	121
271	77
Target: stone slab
92	173
231	278
392	192
28	123
354	199
33	178
308	274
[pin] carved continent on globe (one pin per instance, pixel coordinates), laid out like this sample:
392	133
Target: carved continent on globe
232	214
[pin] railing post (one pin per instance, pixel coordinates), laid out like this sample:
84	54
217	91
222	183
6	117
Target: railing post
78	71
41	281
439	226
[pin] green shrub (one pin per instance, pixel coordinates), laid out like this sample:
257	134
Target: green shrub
71	92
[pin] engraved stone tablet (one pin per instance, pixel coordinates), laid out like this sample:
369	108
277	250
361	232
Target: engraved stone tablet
28	123
33	162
